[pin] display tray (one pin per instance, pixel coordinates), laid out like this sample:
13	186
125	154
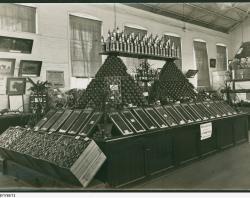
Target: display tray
70	121
154	116
201	113
212	109
90	124
61	120
144	118
183	113
120	123
203	108
222	108
52	120
192	112
44	120
134	123
80	122
166	116
178	118
228	107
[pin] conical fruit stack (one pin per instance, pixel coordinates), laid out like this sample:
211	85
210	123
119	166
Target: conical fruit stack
98	91
172	85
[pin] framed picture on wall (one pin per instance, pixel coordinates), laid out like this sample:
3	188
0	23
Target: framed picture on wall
30	68
56	78
16	86
212	62
7	66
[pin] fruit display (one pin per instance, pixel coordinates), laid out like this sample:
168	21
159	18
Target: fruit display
11	135
60	150
99	91
172	86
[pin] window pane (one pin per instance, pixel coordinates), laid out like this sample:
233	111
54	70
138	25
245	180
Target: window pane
221	58
17	18
85	45
201	58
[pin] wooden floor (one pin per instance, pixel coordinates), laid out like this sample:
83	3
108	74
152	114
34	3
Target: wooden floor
227	170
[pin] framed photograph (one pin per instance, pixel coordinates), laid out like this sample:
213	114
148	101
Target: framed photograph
30	68
56	78
16	86
212	62
7	67
16	103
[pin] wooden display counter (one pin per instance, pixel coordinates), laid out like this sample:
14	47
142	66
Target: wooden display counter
136	157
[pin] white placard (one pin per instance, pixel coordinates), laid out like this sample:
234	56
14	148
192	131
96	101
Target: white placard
114	87
16	103
206	130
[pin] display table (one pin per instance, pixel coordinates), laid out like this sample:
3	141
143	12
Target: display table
137	157
13	120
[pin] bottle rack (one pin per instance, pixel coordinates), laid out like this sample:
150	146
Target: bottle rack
139	55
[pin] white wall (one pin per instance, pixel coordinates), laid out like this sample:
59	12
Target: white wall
51	43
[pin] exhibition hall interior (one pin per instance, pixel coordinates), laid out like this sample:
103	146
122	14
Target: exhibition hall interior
124	96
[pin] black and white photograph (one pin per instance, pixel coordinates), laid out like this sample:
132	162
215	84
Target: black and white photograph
124	97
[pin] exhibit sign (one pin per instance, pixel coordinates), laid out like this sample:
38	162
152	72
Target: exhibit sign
206	130
56	78
88	164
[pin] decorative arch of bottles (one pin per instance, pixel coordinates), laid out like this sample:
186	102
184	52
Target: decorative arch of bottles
138	46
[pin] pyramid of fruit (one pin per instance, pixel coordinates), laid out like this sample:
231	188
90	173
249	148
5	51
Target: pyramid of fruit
172	85
112	76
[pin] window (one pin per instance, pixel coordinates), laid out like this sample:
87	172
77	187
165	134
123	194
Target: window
133	63
17	18
177	42
221	58
85	45
201	58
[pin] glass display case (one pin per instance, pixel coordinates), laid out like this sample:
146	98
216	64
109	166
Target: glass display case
71	120
166	116
44	120
80	122
134	123
205	111
90	124
144	118
178	118
52	120
191	112
154	116
201	113
212	109
120	123
186	116
60	121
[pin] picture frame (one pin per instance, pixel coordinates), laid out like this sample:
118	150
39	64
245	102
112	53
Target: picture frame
7	67
16	86
56	78
16	103
30	68
212	62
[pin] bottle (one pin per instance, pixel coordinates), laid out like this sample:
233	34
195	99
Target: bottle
103	44
173	50
108	42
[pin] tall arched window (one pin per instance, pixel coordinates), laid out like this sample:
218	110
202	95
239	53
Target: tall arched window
85	45
201	60
221	59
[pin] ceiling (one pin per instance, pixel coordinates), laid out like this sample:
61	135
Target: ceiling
222	17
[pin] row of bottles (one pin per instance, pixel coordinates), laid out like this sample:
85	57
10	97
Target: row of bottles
140	44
